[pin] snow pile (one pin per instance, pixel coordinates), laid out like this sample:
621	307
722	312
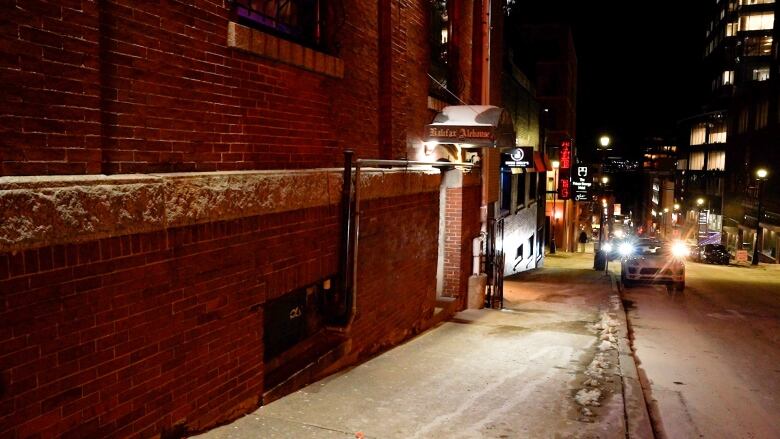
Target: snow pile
587	397
606	327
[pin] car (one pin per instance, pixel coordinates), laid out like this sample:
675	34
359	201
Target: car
662	264
713	254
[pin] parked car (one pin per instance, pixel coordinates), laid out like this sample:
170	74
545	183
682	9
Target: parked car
713	254
663	264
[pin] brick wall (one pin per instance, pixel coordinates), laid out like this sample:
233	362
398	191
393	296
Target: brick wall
160	332
123	86
462	225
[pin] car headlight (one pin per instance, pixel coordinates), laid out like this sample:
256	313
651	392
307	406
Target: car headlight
626	249
679	249
607	247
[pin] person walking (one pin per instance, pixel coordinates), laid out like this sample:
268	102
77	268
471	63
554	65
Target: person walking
583	240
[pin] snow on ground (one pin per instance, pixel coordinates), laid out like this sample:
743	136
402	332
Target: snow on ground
710	357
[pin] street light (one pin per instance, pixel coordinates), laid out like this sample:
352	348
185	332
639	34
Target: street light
555	164
604	141
761	175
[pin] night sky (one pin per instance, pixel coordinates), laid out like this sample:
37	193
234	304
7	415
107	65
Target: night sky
639	65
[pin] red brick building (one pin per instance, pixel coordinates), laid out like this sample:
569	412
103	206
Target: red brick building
167	182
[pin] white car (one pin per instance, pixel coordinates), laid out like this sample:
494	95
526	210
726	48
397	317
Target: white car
663	264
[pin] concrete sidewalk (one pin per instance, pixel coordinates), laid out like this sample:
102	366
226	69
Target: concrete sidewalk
550	365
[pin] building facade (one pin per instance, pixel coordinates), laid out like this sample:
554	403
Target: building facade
736	134
174	200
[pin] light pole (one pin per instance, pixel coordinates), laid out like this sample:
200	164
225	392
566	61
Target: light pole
760	177
555	164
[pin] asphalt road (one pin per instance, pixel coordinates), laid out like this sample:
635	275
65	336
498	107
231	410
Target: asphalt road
709	357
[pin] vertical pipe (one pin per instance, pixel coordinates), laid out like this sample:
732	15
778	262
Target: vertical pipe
345	266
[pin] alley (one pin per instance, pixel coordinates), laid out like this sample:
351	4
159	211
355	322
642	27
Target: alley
710	355
486	373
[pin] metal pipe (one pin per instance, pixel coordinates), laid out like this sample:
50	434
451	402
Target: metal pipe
377	162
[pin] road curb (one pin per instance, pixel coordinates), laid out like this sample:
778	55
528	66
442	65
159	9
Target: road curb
638	424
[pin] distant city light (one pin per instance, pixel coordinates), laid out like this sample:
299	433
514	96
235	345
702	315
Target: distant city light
604	141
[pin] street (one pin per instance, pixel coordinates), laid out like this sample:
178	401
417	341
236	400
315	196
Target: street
709	357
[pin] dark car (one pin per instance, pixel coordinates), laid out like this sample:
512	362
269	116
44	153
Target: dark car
713	254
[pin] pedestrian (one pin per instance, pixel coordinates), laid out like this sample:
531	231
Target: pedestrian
583	240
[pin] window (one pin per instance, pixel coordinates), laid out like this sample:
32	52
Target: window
755	2
762	114
533	185
761	74
521	179
445	81
728	77
717	133
757	21
731	29
682	164
758	45
506	189
297	20
716	161
744	117
697	161
698	134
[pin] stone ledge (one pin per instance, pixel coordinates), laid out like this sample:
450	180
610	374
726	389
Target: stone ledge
266	45
48	210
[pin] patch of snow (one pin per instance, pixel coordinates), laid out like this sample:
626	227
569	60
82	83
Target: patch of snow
587	397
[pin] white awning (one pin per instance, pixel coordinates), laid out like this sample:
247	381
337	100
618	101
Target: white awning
472	125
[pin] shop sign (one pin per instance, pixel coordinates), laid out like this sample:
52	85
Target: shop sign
565	154
582	181
522	157
452	133
564	189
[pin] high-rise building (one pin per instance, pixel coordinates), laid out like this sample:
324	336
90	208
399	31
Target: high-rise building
735	135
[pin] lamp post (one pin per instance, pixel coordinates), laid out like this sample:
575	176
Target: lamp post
555	164
760	177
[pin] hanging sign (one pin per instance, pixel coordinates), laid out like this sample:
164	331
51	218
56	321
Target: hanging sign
522	157
582	181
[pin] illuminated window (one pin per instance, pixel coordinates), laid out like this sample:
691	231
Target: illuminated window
761	74
717	133
755	2
762	114
698	134
297	20
682	164
731	29
758	45
697	161
716	161
757	21
728	77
